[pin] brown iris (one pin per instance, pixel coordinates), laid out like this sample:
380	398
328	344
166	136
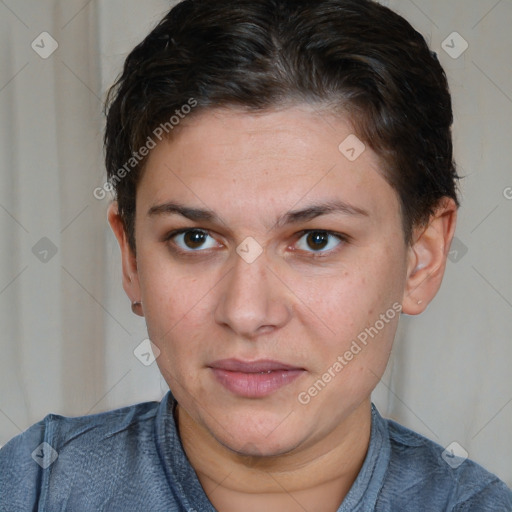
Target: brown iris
194	239
317	239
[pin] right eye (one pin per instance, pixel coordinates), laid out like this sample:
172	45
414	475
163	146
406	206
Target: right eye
192	240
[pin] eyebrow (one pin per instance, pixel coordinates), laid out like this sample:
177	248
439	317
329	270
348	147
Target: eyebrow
291	217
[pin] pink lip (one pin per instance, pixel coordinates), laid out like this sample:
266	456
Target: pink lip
254	379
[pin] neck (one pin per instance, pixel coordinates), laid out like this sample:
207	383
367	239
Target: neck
314	477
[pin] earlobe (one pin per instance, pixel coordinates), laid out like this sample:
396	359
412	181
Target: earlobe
427	258
129	262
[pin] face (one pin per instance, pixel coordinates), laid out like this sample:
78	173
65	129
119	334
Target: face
264	258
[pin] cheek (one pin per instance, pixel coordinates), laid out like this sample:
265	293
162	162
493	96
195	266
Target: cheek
350	361
351	304
173	306
168	290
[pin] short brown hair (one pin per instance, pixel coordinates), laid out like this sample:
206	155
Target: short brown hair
355	56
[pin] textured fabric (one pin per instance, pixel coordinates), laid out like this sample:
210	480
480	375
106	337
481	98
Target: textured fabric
132	459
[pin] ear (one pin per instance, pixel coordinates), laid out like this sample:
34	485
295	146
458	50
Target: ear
427	257
129	262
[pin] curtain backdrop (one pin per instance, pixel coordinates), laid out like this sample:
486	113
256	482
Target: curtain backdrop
67	333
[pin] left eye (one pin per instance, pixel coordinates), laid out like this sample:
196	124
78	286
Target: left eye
319	241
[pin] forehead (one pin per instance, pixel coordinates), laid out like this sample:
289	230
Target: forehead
261	161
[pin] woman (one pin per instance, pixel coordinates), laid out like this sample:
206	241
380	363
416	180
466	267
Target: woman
284	190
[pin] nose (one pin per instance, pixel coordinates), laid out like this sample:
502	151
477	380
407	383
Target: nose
253	299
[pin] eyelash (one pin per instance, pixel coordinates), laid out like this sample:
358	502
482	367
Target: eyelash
200	252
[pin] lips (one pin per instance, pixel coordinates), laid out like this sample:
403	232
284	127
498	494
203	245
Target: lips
254	379
260	366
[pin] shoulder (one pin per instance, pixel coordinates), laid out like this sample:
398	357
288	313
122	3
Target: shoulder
424	476
88	430
57	445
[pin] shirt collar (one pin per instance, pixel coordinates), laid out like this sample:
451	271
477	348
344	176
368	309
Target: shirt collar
365	490
180	474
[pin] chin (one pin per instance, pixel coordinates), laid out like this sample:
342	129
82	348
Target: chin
260	447
258	438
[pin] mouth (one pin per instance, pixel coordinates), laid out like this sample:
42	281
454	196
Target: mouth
254	379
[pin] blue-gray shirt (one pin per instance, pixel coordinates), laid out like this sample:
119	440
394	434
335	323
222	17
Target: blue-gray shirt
132	459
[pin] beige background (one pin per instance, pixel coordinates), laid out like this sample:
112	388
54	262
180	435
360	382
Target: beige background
67	334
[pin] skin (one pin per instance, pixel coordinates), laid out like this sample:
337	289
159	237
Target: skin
287	305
